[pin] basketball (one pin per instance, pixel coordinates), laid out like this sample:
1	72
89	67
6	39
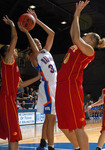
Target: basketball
27	21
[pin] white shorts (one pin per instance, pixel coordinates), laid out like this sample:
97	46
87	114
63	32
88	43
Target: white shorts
46	98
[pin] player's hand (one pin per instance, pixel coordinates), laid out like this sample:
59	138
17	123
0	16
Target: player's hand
89	107
8	21
32	12
80	6
22	28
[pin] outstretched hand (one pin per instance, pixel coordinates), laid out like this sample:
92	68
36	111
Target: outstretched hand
22	28
89	107
80	6
32	12
8	21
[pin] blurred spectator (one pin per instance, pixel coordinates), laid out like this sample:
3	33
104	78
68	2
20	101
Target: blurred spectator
23	105
87	114
33	93
31	102
35	101
36	91
20	92
27	91
87	97
36	97
31	90
18	104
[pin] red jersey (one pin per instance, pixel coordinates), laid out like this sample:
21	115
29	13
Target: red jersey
69	92
9	126
10	78
73	65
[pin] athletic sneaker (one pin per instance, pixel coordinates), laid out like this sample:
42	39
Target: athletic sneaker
40	148
51	148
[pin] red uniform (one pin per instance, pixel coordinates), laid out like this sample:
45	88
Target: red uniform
69	92
103	118
9	126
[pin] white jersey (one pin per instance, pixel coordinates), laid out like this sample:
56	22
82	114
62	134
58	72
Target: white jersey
47	87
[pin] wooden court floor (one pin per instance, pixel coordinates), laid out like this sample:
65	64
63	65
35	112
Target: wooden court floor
32	133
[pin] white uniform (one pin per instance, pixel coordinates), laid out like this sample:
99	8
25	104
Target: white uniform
47	87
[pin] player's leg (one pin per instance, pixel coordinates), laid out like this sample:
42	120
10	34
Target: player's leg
13	145
44	129
44	136
40	108
82	139
14	132
3	118
101	140
71	137
50	130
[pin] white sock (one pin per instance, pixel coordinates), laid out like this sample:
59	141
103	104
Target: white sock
51	146
46	141
77	148
99	147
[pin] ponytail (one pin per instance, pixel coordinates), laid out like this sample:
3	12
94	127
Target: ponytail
101	43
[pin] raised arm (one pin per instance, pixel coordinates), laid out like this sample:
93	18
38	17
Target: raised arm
30	39
75	30
13	38
50	32
30	81
99	102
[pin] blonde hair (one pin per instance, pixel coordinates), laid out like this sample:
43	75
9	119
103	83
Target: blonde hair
101	43
98	42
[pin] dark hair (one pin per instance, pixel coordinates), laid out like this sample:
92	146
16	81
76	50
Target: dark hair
28	53
3	50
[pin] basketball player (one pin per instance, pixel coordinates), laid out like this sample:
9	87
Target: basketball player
101	139
69	91
9	126
42	58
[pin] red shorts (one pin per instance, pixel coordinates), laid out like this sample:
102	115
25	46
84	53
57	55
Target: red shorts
9	126
103	121
103	118
69	106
